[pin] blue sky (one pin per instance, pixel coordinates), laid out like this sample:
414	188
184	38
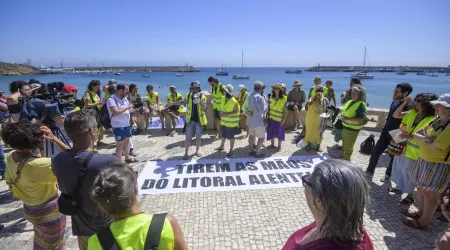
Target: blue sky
209	33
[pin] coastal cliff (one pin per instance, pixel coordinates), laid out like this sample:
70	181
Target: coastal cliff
9	69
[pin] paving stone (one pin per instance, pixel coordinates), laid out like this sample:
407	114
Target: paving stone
247	219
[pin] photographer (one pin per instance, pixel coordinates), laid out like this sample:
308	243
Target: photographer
19	90
195	118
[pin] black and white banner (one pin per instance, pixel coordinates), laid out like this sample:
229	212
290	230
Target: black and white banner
161	177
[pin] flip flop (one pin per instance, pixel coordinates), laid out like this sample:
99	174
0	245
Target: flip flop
219	149
185	157
407	201
414	223
230	154
198	154
131	160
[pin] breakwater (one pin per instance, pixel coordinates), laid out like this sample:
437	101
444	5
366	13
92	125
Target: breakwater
139	69
378	69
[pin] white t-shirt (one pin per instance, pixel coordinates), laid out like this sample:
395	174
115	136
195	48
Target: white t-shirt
122	120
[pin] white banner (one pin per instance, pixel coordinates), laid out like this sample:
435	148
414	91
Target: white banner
162	177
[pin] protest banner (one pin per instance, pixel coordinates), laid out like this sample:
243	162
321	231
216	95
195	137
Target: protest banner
160	177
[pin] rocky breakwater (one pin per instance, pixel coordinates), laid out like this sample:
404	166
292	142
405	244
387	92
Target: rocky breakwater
9	69
140	69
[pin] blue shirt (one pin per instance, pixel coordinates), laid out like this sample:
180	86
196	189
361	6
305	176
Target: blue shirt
255	103
391	122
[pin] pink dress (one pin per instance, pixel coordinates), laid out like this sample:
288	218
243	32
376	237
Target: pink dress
324	244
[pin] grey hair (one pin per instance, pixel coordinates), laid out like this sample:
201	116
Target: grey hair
343	192
78	123
361	91
259	85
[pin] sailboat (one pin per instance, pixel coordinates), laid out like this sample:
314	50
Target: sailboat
363	73
241	76
222	72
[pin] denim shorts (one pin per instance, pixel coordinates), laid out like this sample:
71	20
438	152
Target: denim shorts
122	133
193	128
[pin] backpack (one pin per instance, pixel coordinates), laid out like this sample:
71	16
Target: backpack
105	119
368	145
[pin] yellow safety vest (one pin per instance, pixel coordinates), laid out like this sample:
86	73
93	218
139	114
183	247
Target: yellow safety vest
350	112
412	146
276	108
230	121
152	99
93	98
313	91
241	97
217	96
169	97
200	111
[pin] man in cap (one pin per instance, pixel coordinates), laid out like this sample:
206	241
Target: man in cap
229	121
241	97
296	99
216	91
173	107
195	118
255	108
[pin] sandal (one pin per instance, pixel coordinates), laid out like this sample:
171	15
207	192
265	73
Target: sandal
185	157
394	190
307	148
407	201
198	154
410	214
230	154
131	160
414	223
219	149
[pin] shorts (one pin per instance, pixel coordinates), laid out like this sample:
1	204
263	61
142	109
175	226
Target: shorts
228	133
193	128
258	132
121	134
216	114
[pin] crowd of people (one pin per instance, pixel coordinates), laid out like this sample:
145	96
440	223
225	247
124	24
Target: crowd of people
58	151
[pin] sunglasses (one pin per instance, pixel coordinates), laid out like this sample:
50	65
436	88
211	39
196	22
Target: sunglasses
305	180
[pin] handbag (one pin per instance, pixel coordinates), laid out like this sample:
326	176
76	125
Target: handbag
396	149
69	204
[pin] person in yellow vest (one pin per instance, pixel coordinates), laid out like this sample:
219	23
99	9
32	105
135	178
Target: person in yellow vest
229	122
115	190
154	105
317	83
276	116
216	91
173	107
93	101
195	118
241	97
353	114
431	172
413	120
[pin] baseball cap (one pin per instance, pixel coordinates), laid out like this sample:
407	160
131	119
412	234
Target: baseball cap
444	100
34	86
68	87
195	84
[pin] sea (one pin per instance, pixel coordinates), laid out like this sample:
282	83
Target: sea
379	90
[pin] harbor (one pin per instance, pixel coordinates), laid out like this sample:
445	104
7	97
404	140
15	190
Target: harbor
404	69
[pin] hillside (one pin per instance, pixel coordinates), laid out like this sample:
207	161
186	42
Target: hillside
9	69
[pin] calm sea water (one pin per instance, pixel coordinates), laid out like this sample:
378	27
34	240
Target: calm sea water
379	90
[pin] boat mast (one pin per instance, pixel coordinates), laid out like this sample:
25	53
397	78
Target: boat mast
242	63
364	56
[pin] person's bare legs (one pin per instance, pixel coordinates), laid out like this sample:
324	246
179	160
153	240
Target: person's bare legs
161	118
120	149
259	146
222	144
198	143
272	143
187	144
296	118
429	207
126	148
251	143
231	146
279	144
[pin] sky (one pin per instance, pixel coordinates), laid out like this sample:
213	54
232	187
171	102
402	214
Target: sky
211	33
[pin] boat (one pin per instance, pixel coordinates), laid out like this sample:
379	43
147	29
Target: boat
145	75
293	71
179	74
117	73
421	73
241	76
401	73
363	73
222	72
433	75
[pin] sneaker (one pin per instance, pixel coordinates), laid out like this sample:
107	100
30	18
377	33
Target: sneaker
132	153
294	128
385	178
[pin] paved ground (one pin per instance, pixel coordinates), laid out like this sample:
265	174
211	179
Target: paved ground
251	219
